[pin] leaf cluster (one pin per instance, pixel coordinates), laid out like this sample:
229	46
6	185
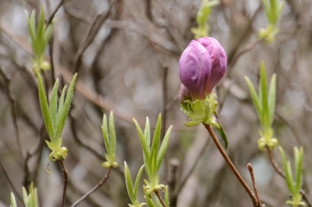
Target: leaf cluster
294	183
109	135
264	103
55	114
202	18
30	200
40	35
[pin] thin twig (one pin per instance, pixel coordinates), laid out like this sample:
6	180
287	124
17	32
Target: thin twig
105	178
231	165
193	167
175	194
276	168
253	179
159	198
54	12
52	59
94	29
13	110
65	179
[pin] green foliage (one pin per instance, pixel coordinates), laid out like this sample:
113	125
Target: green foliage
55	115
203	111
264	103
109	135
153	154
40	36
30	200
133	190
294	185
202	19
273	10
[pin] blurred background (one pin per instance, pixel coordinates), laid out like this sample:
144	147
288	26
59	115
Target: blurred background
126	53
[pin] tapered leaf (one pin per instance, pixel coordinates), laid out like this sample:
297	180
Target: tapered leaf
53	103
13	201
218	126
298	169
112	140
129	185
137	181
272	98
163	148
149	201
263	94
155	145
287	170
254	97
142	138
167	200
32	26
40	29
147	135
45	108
61	102
65	109
104	128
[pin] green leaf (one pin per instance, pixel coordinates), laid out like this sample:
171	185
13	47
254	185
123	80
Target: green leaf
129	185
263	94
112	134
53	104
65	109
287	170
167	200
254	98
147	135
155	146
137	181
142	138
272	98
163	148
149	201
104	128
298	169
32	26
13	201
222	134
45	108
40	30
61	102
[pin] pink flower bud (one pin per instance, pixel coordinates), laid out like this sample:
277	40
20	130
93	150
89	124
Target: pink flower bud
202	65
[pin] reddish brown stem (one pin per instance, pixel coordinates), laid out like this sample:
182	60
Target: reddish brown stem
160	199
231	165
253	179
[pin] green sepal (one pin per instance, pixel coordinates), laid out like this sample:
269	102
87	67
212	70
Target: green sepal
199	111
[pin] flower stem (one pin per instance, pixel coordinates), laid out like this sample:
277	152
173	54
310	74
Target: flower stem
231	165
